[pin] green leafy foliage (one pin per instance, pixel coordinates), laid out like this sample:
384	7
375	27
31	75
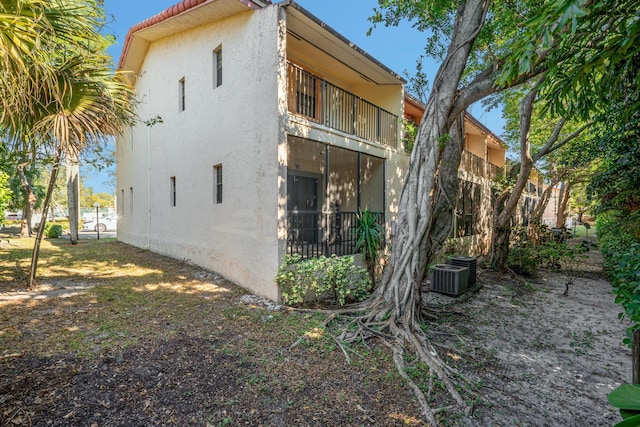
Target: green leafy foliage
309	281
621	251
410	130
616	178
5	193
522	259
53	231
369	238
626	398
525	256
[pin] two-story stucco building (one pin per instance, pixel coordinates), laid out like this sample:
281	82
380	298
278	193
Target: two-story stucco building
263	132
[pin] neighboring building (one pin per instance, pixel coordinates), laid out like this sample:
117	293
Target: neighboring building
483	160
267	131
550	215
530	197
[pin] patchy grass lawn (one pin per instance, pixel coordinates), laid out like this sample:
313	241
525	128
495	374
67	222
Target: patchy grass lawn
115	335
118	336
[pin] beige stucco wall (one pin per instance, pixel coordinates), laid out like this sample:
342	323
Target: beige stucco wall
497	157
475	144
477	244
234	125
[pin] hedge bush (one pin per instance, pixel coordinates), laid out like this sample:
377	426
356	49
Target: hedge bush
621	252
308	281
53	231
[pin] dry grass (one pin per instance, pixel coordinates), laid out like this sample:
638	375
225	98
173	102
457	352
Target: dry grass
116	332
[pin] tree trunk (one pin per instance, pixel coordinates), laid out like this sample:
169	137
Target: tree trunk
535	223
563	201
499	251
430	187
538	211
31	281
30	201
73	196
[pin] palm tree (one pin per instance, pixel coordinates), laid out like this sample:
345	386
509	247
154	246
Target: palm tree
31	35
58	91
93	102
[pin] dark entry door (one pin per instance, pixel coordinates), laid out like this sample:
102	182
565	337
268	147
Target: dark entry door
302	204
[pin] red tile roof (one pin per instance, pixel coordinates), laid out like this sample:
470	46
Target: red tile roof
170	12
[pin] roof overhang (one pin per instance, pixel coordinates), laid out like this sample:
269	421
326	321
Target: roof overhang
493	141
183	16
415	107
303	25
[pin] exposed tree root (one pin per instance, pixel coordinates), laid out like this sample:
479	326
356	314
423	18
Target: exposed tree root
401	339
398	359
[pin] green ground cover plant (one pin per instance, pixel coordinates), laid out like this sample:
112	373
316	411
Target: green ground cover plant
308	281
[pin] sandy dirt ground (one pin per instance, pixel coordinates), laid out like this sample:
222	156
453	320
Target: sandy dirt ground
543	358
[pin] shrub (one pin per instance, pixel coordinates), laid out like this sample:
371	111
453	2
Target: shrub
621	251
369	238
53	231
525	257
307	281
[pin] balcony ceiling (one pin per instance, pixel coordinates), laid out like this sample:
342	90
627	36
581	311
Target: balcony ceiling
344	58
474	127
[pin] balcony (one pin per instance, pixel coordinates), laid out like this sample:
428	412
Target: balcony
329	105
478	166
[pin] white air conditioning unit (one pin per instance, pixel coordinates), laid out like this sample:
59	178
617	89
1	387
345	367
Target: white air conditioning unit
466	261
449	279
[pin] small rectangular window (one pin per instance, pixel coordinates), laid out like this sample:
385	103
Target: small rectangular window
181	95
173	191
217	66
218	182
130	201
121	204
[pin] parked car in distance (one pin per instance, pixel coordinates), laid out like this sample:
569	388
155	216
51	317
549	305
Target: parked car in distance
91	216
103	224
13	216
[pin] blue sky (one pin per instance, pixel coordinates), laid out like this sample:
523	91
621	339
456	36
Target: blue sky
396	47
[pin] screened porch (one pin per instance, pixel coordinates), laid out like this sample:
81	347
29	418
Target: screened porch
326	187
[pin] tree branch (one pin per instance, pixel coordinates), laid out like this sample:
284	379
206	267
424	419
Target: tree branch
550	147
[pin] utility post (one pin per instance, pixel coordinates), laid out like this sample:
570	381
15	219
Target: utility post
97	205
